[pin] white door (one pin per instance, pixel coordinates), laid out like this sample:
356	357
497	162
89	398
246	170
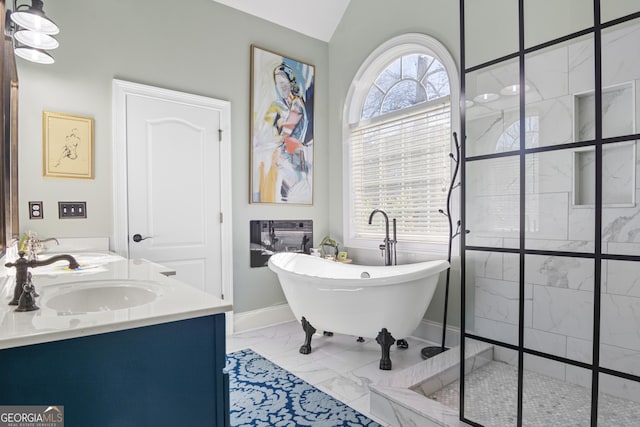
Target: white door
175	185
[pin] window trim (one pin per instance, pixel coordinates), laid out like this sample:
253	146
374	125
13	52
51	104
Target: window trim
372	66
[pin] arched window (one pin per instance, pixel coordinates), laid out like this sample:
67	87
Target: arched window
399	119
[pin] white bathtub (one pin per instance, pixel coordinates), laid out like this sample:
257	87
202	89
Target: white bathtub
334	297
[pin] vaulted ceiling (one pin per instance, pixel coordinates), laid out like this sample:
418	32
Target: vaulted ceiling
315	18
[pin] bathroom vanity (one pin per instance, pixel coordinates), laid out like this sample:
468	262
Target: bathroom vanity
116	343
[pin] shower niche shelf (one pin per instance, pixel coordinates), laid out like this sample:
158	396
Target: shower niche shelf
618	176
618	159
618	112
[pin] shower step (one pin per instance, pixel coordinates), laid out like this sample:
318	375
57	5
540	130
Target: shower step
448	370
407	391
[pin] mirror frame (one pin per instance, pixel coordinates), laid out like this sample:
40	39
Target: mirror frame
9	228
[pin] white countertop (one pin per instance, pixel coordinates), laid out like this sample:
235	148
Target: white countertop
174	301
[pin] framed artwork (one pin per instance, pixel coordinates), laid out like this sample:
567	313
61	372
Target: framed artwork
67	150
282	122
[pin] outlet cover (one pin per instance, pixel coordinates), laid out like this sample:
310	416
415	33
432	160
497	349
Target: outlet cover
72	210
35	210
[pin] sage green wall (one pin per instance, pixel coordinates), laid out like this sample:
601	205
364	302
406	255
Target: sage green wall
365	26
199	47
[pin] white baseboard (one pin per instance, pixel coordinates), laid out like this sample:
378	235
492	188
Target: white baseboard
432	331
261	318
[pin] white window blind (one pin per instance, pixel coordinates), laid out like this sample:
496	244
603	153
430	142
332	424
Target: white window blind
402	165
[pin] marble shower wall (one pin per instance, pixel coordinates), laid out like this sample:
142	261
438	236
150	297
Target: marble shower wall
560	215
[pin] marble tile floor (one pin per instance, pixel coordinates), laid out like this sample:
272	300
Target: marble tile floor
338	365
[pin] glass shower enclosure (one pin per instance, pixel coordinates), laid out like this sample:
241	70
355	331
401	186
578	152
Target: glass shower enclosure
551	266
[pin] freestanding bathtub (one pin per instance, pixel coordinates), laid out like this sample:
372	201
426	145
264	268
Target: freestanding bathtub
363	301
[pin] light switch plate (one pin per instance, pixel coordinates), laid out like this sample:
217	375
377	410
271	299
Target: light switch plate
72	210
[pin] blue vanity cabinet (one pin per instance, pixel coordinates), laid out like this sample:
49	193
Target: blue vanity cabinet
168	374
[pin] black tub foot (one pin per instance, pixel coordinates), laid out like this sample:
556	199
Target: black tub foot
403	344
308	331
360	339
327	334
385	340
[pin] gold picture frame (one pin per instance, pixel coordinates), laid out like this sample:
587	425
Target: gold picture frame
67	146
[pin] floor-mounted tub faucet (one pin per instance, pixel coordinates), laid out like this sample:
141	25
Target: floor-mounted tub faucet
389	245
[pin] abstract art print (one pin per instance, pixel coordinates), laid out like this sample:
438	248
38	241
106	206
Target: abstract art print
282	122
67	145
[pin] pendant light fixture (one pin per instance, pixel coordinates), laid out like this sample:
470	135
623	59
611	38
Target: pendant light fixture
32	32
34	55
33	18
35	39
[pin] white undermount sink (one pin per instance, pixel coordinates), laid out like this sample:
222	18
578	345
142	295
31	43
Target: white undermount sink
102	295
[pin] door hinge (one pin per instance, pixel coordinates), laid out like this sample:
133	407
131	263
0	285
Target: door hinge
219	135
221	217
221	296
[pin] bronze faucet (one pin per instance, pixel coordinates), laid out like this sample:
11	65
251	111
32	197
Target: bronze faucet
22	275
27	301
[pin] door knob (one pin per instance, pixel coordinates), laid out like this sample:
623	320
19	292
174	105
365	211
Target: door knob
138	238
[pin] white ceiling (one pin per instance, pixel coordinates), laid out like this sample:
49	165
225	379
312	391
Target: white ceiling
315	18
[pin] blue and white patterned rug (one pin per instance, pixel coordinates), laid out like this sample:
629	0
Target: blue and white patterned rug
264	394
